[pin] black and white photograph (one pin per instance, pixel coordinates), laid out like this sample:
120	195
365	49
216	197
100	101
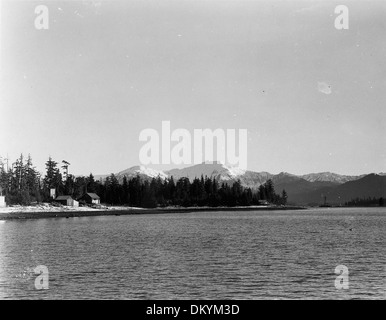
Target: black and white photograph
203	152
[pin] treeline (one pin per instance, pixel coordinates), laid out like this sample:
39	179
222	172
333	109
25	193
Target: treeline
366	202
202	191
22	184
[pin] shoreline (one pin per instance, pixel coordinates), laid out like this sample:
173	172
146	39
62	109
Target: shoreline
118	211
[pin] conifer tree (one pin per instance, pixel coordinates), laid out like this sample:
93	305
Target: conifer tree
53	178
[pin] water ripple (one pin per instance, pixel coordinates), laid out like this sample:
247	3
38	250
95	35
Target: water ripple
202	255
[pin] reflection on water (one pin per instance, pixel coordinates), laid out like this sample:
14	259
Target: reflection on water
213	255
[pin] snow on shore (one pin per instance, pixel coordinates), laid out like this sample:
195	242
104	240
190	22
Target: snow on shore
45	207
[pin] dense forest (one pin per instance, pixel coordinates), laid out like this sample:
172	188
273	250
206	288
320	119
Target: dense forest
22	184
366	202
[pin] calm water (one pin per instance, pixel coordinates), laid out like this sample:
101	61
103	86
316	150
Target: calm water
213	255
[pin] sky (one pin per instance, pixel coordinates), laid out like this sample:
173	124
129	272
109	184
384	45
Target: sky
311	97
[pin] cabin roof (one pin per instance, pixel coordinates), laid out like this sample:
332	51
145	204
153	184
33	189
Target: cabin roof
92	195
63	197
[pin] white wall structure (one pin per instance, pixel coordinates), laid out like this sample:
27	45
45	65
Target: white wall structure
2	202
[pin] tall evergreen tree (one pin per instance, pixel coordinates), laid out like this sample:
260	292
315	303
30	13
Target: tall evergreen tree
125	191
284	197
91	184
53	178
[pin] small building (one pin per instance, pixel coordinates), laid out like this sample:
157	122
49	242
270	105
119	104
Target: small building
90	198
67	201
263	203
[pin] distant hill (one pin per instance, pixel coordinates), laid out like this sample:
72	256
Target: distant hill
100	177
296	187
371	185
329	177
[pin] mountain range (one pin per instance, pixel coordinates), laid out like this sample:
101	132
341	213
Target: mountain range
308	189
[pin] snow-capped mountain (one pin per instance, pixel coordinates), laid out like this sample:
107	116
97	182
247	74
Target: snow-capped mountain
229	174
253	180
301	189
329	177
210	169
222	173
141	171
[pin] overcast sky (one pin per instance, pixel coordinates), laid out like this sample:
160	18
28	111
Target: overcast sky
311	97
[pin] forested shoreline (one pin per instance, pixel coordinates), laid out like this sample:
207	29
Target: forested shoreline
22	184
366	202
